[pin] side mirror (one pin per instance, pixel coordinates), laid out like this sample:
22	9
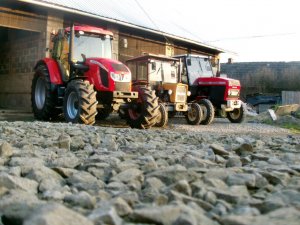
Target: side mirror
189	62
83	57
153	65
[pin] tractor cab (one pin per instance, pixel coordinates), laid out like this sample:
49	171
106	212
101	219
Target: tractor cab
85	42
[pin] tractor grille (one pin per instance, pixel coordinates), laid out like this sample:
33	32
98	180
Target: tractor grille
122	86
181	94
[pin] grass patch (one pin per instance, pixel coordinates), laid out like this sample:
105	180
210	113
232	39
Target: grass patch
295	128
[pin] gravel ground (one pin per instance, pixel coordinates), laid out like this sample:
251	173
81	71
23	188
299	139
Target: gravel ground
223	126
219	125
221	174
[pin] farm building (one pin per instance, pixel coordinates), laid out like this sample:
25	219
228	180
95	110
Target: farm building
26	26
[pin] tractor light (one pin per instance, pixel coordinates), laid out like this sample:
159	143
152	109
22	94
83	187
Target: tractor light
233	92
115	76
170	92
188	93
121	77
234	83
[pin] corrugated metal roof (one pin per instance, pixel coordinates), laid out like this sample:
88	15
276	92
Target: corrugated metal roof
127	13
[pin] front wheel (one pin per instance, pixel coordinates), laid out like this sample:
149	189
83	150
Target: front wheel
80	103
162	118
237	115
142	113
207	110
194	114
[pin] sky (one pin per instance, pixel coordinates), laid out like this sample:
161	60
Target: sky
251	30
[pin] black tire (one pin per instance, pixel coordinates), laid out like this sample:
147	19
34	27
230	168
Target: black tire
142	114
237	115
43	98
104	113
208	111
162	118
194	114
80	103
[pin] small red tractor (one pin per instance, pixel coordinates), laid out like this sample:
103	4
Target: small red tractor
162	74
214	94
81	81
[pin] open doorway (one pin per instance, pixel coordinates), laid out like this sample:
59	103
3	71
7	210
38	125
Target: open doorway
19	51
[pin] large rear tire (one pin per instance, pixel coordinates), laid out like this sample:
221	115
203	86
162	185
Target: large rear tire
207	110
80	103
237	115
162	118
194	114
143	113
43	95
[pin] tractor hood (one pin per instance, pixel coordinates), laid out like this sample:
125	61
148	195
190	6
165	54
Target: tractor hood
218	81
117	70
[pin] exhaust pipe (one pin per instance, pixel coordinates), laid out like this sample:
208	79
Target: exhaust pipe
71	44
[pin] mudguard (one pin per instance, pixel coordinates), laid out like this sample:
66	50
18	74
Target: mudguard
53	69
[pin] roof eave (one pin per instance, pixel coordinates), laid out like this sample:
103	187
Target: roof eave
111	20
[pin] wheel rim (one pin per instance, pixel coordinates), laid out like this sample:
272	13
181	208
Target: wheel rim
159	115
235	114
134	112
192	114
72	105
204	111
40	93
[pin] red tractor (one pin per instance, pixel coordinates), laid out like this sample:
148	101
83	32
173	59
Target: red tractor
214	94
82	81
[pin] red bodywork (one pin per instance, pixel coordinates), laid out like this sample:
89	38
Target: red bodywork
53	69
93	74
89	29
230	84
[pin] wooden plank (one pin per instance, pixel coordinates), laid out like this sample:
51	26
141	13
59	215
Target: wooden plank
21	20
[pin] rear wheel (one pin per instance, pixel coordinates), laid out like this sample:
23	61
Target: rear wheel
207	110
80	104
162	118
43	98
143	113
237	115
194	114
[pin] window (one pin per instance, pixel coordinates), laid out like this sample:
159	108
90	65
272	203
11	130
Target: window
91	46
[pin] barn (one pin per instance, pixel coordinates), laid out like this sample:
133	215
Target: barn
26	25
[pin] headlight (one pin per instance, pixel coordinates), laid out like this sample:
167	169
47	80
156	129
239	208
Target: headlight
120	77
189	93
233	92
170	92
234	83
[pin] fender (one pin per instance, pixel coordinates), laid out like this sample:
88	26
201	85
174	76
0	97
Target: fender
53	69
